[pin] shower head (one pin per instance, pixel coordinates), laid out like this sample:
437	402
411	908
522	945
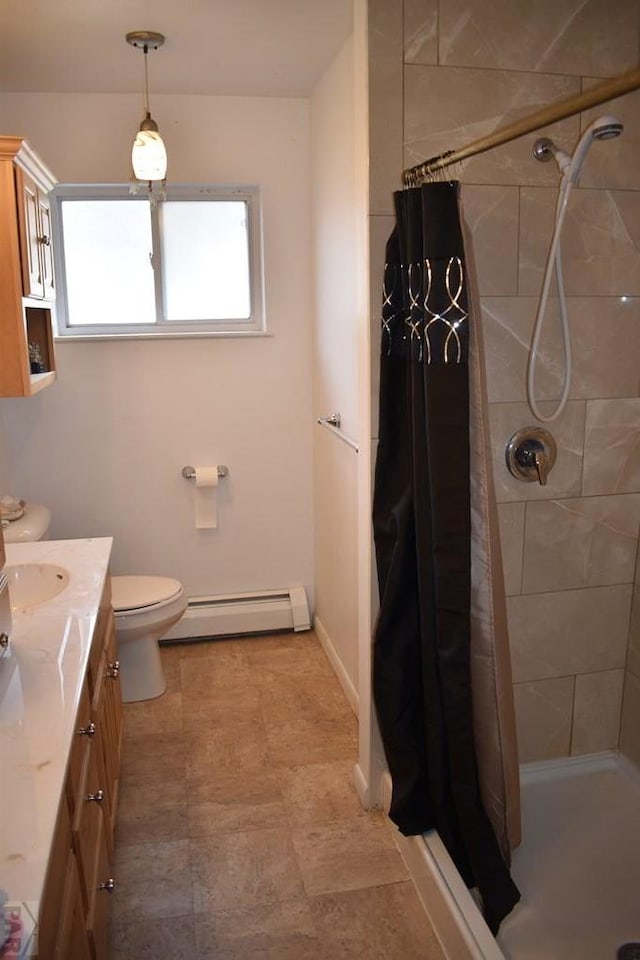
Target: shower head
604	128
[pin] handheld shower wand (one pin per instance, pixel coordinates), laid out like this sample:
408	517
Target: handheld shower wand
604	128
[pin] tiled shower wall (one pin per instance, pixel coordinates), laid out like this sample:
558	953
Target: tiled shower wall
441	75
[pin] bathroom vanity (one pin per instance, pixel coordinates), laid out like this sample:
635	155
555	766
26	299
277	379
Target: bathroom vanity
60	742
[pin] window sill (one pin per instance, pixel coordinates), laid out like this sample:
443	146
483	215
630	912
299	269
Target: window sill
185	335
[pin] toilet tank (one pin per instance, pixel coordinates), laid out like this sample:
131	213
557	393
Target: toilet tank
32	525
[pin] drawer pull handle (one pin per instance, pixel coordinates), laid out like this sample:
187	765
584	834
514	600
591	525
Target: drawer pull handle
108	885
97	797
113	669
88	731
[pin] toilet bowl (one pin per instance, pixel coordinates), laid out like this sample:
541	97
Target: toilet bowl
145	609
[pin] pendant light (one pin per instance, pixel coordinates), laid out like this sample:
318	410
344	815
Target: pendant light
148	155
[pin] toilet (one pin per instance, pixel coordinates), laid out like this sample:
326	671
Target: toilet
32	525
145	608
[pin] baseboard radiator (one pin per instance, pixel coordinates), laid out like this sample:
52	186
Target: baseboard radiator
231	615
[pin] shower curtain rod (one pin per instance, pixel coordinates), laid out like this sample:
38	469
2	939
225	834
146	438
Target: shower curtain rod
608	90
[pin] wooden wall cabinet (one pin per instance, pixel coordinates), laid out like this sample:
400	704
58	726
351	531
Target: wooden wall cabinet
27	285
75	905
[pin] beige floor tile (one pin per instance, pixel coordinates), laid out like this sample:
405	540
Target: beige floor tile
375	923
251	867
218	707
154	756
147	822
137	791
279	641
235	748
277	920
172	938
290	662
301	741
236	802
205	648
320	793
297	947
347	855
312	698
153	717
154	881
225	665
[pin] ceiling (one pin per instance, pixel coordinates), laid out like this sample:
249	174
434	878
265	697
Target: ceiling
273	48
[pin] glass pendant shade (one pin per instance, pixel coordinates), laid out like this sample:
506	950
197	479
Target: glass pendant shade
149	156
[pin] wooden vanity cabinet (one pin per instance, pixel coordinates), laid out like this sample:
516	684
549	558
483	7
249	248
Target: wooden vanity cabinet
27	286
75	905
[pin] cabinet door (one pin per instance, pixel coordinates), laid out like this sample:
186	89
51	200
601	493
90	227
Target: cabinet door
72	941
114	699
107	707
98	915
88	821
28	212
46	250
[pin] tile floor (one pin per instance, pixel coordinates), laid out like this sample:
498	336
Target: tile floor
240	835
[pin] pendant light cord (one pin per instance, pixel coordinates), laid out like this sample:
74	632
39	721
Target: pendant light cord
146	81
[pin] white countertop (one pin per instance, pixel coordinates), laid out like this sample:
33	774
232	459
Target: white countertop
40	683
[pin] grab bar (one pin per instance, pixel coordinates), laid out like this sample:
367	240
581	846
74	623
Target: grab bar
332	423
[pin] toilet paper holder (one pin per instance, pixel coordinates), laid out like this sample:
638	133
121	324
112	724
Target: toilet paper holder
189	473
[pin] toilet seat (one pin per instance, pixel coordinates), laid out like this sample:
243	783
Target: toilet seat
136	594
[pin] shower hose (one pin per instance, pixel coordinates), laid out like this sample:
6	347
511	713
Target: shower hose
554	259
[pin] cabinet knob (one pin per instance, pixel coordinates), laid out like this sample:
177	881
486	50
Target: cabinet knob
108	885
97	797
4	640
113	669
88	731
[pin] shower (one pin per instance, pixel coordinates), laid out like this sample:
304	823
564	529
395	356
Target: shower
604	128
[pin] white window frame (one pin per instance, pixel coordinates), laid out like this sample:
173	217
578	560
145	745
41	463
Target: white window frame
254	326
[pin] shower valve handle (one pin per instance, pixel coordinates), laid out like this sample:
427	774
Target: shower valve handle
530	454
540	461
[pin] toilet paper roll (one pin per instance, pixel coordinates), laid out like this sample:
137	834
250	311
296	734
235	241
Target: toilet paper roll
206	498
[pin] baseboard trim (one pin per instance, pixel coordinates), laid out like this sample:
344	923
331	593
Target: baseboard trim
362	786
339	668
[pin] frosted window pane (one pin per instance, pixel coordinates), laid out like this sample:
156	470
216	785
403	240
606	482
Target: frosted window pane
205	256
107	246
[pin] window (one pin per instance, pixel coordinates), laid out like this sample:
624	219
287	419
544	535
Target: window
187	265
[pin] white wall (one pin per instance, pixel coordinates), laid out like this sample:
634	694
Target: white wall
104	446
335	350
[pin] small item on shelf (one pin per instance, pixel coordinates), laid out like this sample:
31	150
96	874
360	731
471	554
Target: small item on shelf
36	362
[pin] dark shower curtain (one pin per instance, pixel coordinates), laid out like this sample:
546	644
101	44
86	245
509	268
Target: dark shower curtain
422	530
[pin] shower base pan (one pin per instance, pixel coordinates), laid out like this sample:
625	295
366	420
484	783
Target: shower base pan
578	869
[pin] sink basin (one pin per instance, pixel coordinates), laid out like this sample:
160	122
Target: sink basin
31	584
